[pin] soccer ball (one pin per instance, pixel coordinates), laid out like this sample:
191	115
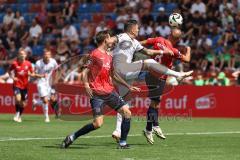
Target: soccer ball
175	20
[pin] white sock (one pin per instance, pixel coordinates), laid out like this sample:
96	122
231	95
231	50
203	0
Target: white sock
119	123
45	110
154	65
17	114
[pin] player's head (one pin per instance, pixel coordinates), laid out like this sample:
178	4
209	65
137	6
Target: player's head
175	35
131	27
22	55
104	38
47	55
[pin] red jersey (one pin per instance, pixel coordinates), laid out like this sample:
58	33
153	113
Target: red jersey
159	43
99	76
21	71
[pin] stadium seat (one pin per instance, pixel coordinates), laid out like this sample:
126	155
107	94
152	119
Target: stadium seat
157	6
170	7
97	7
77	26
81	17
38	50
109	7
97	18
12	1
2	71
1	17
84	8
35	7
23	7
22	1
113	15
29	17
14	7
34	1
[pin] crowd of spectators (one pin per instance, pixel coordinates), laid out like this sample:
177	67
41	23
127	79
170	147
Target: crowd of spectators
211	28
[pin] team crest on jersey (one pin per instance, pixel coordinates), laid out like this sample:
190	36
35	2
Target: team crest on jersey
26	67
125	45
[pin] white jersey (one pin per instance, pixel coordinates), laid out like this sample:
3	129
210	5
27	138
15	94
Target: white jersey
42	68
125	49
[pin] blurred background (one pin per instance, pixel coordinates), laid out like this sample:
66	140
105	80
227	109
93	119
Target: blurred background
67	27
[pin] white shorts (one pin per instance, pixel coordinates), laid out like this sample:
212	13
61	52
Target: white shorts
129	71
45	90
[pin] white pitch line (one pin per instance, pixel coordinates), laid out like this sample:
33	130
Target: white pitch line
4	139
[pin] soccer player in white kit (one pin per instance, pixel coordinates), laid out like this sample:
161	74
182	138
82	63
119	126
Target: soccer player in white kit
126	47
43	71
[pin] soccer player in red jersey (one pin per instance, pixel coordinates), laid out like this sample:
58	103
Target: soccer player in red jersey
156	83
21	69
98	83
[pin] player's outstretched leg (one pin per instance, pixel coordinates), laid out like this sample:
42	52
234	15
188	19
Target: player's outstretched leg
151	64
19	106
125	126
97	123
117	133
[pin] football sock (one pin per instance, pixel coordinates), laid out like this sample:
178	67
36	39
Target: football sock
152	64
125	127
84	130
55	106
17	106
151	114
119	123
155	119
45	110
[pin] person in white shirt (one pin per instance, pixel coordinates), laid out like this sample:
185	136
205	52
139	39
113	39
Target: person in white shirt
44	69
69	32
9	17
18	18
35	32
145	30
123	63
163	29
198	6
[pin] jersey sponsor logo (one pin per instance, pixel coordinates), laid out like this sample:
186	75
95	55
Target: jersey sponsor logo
124	45
206	102
21	72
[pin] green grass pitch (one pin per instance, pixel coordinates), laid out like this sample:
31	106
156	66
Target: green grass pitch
187	139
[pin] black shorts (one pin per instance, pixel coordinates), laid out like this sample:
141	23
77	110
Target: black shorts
155	87
113	100
22	92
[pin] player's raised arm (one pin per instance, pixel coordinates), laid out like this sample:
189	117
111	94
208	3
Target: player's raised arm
120	80
86	83
187	56
152	52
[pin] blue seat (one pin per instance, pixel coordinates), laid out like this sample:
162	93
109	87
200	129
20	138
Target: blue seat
81	17
38	50
29	17
97	7
170	7
84	8
1	17
2	71
22	1
157	6
113	16
77	26
24	7
14	7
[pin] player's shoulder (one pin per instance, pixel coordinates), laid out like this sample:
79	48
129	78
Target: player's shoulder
27	62
52	60
38	62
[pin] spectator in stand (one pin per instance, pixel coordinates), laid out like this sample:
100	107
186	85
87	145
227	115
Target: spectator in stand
86	33
162	29
3	52
145	4
26	48
101	27
69	32
121	18
225	5
162	16
8	17
212	80
145	31
110	23
223	80
198	6
199	81
22	32
63	52
132	14
69	11
133	4
35	32
147	18
18	18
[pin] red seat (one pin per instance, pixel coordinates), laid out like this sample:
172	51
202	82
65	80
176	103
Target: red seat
97	18
109	7
35	7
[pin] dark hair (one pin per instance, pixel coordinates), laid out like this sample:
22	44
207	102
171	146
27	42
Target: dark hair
128	25
101	36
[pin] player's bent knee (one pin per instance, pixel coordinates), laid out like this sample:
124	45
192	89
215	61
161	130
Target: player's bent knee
97	123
